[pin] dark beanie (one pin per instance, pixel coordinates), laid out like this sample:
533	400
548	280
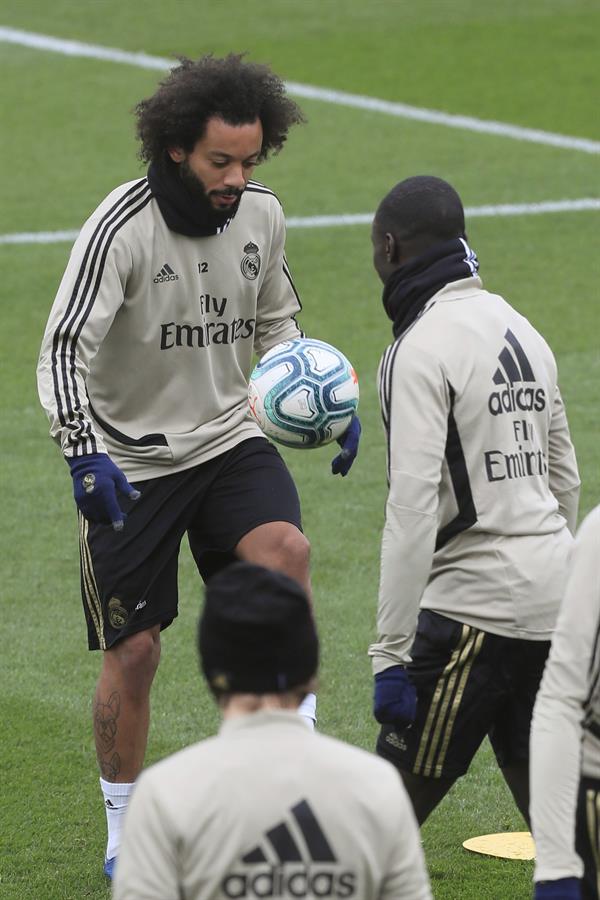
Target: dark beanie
257	634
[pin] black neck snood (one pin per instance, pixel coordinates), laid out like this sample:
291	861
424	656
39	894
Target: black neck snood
185	211
408	289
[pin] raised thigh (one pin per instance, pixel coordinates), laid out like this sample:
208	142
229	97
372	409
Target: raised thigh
252	488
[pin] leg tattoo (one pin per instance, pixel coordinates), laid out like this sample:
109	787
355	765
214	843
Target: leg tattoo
105	729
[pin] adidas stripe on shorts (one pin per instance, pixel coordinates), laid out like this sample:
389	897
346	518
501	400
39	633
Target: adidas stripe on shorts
470	684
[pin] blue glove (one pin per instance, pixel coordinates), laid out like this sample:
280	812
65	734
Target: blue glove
96	480
561	889
348	441
395	701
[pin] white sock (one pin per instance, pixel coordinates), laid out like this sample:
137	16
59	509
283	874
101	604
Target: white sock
308	709
116	796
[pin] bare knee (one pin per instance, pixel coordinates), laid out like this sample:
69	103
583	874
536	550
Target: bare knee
293	552
280	546
292	556
134	659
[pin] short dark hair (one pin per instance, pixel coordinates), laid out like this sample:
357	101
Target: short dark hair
194	91
422	208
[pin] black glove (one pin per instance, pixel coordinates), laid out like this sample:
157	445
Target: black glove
348	441
96	480
395	700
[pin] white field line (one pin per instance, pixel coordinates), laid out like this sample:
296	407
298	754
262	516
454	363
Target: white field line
339	98
471	212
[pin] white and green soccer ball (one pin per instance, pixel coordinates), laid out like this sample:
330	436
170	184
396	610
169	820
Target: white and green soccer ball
303	393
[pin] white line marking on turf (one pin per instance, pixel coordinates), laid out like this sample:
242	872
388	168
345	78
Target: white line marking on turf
78	48
450	120
340	98
471	212
38	237
527	209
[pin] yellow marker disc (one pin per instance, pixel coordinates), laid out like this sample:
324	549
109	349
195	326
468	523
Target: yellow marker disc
510	845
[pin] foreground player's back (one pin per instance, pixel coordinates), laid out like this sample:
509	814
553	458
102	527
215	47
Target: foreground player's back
269	808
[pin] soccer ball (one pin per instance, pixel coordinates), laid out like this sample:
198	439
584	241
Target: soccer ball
303	393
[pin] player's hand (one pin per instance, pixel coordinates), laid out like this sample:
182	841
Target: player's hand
348	441
561	889
96	481
395	700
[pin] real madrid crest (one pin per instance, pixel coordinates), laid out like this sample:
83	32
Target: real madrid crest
117	614
89	482
250	264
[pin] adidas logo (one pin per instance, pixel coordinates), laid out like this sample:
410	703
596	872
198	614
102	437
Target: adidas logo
396	741
515	368
165	274
280	840
294	859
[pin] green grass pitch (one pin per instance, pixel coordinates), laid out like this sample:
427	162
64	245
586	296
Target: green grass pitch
67	139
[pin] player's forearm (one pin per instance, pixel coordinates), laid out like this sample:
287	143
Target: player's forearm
271	333
563	474
62	393
278	303
568	504
81	317
554	778
390	650
277	307
406	554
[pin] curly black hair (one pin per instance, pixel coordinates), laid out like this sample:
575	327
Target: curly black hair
194	91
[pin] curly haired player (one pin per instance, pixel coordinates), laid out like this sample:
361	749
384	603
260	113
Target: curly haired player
175	281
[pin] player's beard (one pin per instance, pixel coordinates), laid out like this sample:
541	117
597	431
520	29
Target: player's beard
202	198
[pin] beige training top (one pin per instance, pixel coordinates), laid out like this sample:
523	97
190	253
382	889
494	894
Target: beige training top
482	474
269	808
565	732
150	342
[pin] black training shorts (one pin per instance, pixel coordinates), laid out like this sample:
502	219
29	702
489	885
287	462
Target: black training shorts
129	578
470	684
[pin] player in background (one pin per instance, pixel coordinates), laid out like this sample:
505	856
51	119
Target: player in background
565	737
174	282
267	807
483	494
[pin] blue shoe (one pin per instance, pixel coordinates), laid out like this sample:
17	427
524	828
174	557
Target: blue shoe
109	866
